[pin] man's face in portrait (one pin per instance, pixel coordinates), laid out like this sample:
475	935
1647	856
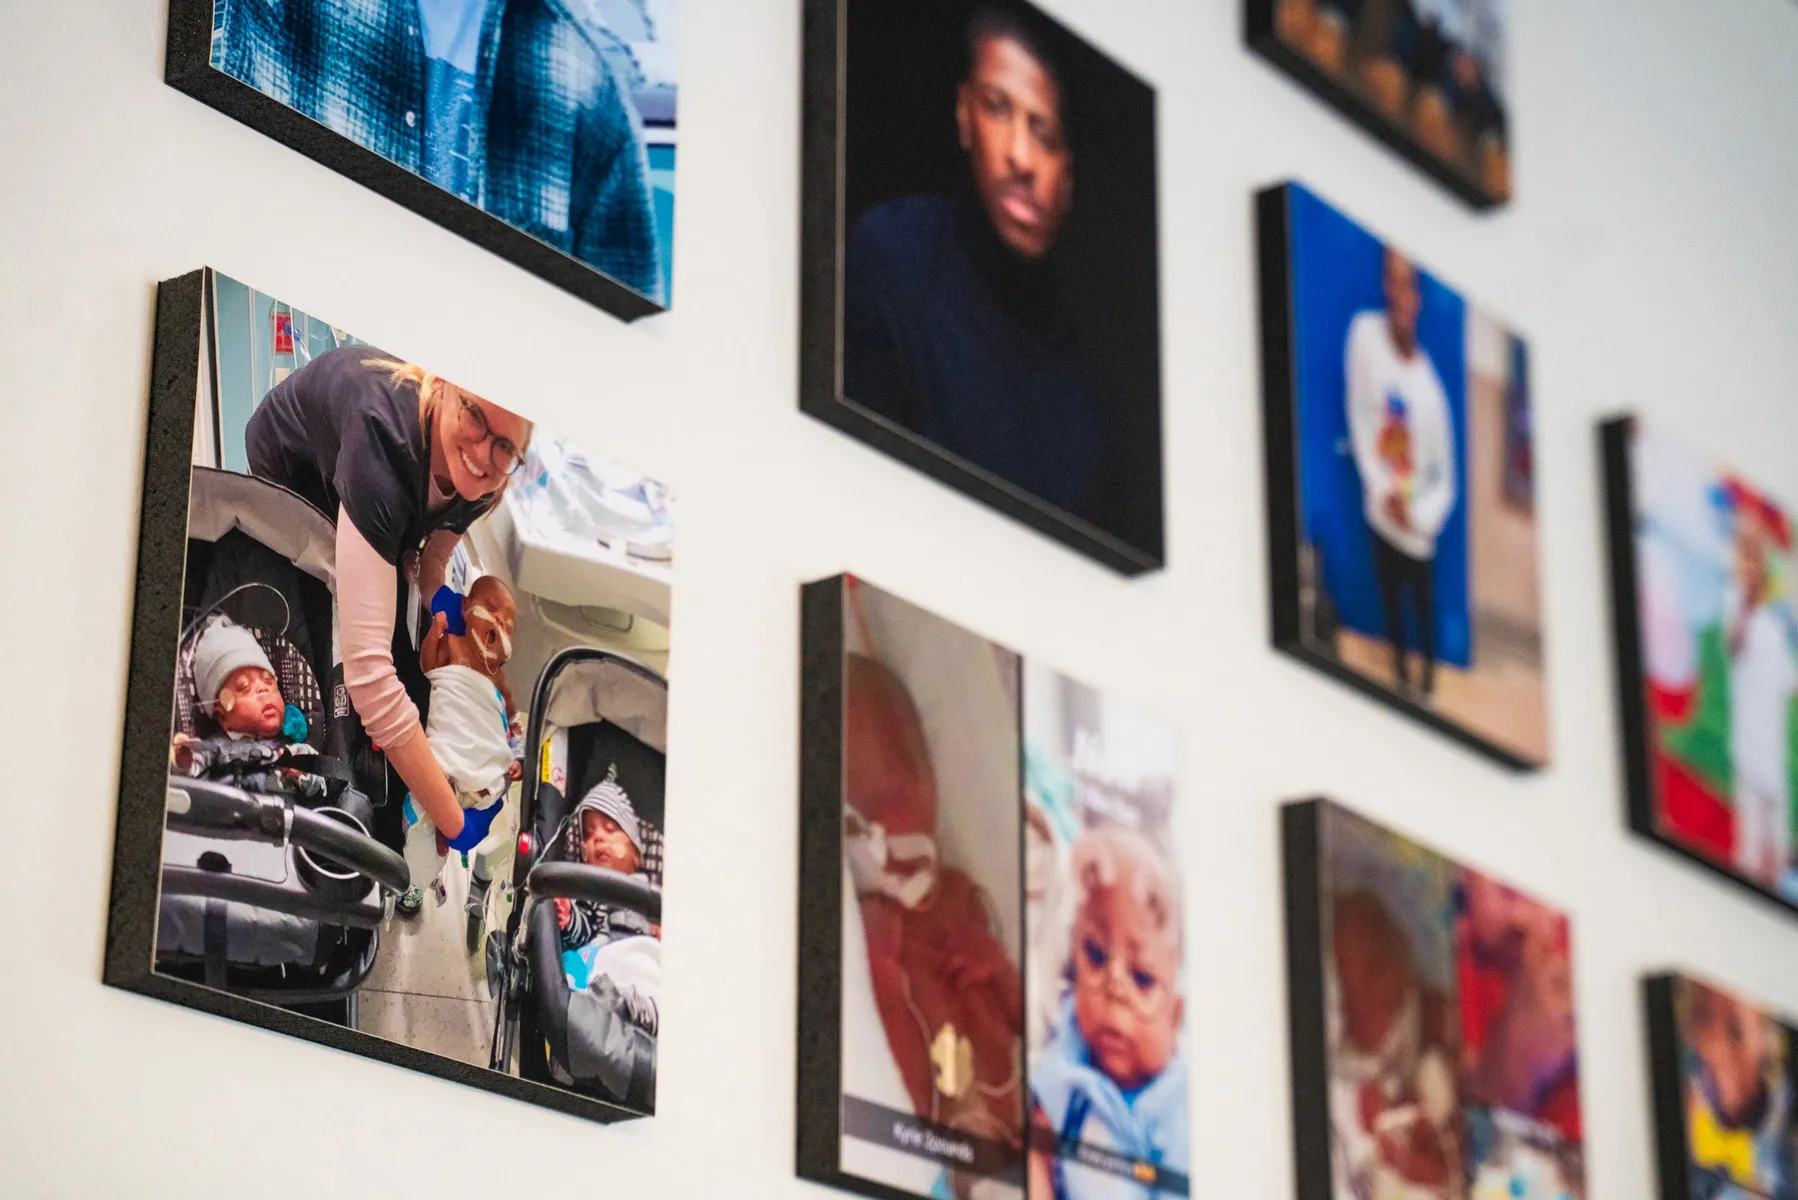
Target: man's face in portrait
1403	300
1008	110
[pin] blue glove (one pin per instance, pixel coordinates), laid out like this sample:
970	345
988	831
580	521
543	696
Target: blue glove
475	824
448	601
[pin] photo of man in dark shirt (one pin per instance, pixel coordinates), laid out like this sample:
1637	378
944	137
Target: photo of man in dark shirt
956	325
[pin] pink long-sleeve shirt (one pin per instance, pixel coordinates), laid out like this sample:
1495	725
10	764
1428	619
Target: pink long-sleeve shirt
367	602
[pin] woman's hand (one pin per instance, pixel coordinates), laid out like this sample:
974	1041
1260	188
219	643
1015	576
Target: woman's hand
430	787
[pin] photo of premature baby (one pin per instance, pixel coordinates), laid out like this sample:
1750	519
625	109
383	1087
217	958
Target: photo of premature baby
1736	1076
1452	1068
932	995
1106	985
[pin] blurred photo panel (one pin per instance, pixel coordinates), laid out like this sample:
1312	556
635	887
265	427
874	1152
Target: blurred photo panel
1429	77
991	201
1437	1006
1107	977
415	751
1405	544
1735	1133
1710	653
932	986
541	130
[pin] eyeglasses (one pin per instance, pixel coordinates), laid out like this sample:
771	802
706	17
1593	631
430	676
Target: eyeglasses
503	455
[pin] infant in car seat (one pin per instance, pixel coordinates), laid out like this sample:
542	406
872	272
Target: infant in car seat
471	720
260	734
611	836
611	955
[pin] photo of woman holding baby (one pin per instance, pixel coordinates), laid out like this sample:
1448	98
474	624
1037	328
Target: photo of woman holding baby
394	594
404	462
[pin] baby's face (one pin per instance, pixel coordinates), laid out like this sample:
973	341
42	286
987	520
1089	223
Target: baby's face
1125	1002
492	618
250	703
1731	1041
604	844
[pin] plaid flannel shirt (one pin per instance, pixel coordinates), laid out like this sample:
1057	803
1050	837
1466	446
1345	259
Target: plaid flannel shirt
557	150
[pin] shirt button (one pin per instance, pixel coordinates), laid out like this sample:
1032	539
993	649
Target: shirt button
411	118
411	31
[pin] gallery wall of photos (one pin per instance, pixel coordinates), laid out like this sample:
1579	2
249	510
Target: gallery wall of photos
1236	599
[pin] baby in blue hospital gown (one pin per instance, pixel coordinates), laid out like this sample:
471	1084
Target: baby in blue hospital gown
1112	1077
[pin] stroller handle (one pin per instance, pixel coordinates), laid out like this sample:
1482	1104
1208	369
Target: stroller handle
357	851
578	881
222	811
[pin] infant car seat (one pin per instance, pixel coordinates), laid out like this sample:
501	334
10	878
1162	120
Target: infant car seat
592	713
251	903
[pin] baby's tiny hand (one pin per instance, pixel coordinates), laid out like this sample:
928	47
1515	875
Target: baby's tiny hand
515	772
564	910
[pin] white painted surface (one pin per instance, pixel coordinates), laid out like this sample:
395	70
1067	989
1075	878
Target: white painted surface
1652	259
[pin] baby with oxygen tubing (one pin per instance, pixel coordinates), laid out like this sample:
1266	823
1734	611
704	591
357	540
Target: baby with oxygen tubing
261	736
1113	1075
471	721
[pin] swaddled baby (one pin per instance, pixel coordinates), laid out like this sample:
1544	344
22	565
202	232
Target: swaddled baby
259	732
470	721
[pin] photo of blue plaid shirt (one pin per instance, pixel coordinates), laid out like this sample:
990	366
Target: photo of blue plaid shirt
553	143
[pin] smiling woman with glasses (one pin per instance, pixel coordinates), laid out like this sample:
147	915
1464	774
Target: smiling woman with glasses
404	462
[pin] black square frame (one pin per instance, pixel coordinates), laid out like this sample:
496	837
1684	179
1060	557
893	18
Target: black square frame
182	325
1258	26
1665	1087
823	239
1300	845
188	68
1279	379
1616	436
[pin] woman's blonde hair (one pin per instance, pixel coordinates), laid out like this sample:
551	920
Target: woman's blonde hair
430	391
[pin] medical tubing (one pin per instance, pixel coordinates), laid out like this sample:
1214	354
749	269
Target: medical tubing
578	881
216	605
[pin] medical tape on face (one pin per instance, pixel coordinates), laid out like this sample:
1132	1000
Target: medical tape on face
505	639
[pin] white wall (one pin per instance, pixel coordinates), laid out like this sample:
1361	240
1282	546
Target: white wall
1652	258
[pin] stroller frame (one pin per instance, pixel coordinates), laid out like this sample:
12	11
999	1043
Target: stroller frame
183	330
538	878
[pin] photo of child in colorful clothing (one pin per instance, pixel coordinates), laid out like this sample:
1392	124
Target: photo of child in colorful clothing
1719	653
1741	1124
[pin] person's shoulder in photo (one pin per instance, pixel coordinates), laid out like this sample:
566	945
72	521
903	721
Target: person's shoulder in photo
510	105
956	324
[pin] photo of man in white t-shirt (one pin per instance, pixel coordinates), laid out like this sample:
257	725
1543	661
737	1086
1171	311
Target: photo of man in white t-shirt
1404	448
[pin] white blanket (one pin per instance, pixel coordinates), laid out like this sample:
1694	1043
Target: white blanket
467	729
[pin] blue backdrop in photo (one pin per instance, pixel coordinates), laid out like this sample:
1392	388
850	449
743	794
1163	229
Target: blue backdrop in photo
1336	269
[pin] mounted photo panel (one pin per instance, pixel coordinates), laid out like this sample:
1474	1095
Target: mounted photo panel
1702	571
1427	77
1402	527
1726	1114
980	290
1435	1050
395	738
544	132
992	979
